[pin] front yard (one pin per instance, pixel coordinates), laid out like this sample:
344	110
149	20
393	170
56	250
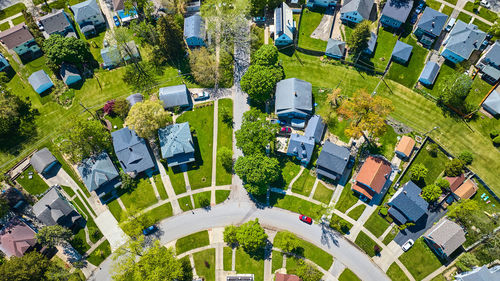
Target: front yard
304	184
420	260
367	244
310	20
140	197
296	205
204	263
245	264
192	241
224	138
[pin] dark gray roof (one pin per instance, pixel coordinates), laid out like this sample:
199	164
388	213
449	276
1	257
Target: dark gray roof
333	158
283	16
372	42
464	38
363	7
39	78
492	55
176	144
492	102
432	21
135	98
293	95
174	96
301	146
407	205
194	27
41	159
448	235
315	128
54	209
132	151
335	47
67	71
16	36
96	171
482	273
492	72
86	10
398	9
56	22
430	71
402	51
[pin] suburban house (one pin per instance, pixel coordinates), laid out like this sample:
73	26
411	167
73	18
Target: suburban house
175	96
113	56
99	174
301	147
118	5
53	208
492	103
429	73
321	3
125	17
69	74
335	49
372	43
40	81
284	25
429	26
466	190
332	161
355	11
57	23
176	144
455	182
462	41
445	237
20	40
395	13
293	99
482	273
194	31
286	277
132	152
489	63
134	98
89	17
43	161
16	238
315	128
401	52
372	178
4	63
405	147
406	205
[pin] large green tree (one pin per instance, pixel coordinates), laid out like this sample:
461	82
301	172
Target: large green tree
266	55
85	138
431	193
256	132
147	117
203	66
454	168
53	235
4	207
170	39
418	172
257	171
59	49
260	80
16	116
288	242
230	233
251	236
454	89
358	41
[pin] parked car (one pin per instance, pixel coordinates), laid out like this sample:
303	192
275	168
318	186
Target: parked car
149	230
286	130
406	246
117	21
201	96
450	24
419	8
305	219
485	3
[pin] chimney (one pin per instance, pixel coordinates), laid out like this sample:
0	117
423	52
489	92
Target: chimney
433	24
295	93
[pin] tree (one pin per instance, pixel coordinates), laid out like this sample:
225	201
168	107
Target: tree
225	157
431	193
256	133
108	106
257	7
418	172
265	55
121	108
230	233
251	236
135	223
367	114
59	49
467	261
466	156
139	78
144	8
454	168
175	6
454	89
147	117
259	81
203	66
170	39
358	41
495	29
443	184
16	115
4	207
257	171
128	183
32	266
288	242
308	273
33	27
53	235
85	138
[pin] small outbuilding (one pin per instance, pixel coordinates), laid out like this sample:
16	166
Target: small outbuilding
466	190
175	96
43	161
405	147
401	52
492	103
372	43
69	74
135	98
429	73
335	49
40	81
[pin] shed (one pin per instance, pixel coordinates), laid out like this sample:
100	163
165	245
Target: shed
111	57
332	161
174	96
405	147
302	147
134	98
70	74
43	160
466	190
293	98
401	52
492	103
176	144
40	81
335	48
429	73
315	128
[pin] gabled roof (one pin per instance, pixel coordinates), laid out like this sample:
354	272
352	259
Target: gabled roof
96	171
118	5
293	95
287	277
53	209
301	146
283	17
174	96
372	42
315	128
466	190
39	79
405	145
134	98
363	7
482	273
194	27
132	151
16	36
492	54
455	182
448	235
398	9
432	21
402	51
374	173
493	102
68	71
407	205
16	238
55	22
176	143
430	72
332	158
86	10
335	47
41	159
464	38
492	72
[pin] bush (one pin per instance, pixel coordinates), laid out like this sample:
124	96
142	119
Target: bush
433	149
466	156
418	172
340	224
204	202
496	141
494	134
454	167
383	211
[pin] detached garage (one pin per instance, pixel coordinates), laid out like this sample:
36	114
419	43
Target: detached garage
492	103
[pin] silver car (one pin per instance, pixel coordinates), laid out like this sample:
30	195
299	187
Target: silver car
406	246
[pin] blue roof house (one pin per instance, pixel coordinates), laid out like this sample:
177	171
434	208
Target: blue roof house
284	25
429	73
40	81
332	161
482	273
132	152
489	63
462	41
176	144
395	13
492	103
301	147
293	99
429	26
401	52
321	3
406	205
175	96
69	74
372	44
335	49
194	31
315	128
4	63
89	17
99	174
355	11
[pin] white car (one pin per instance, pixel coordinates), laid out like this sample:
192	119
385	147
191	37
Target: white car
485	3
406	246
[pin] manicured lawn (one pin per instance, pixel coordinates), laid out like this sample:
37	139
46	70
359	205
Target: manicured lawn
4	26
481	25
469	6
221	196
224	139
80	207
478	91
202	121
435	165
385	143
408	74
390	236
395	273
420	260
454	2
289	170
347	199
366	244
160	187
94	232
68	190
309	251
304	184
192	241
228	258
33	186
12	10
487	14
185	203
464	17
100	254
385	43
204	262
439	278
141	197
277	261
245	264
116	210
310	20
335	224
116	121
86	202
197	197
155	215
433	4
176	179
323	194
296	205
348	275
292	265
376	224
447	10
18	20
356	212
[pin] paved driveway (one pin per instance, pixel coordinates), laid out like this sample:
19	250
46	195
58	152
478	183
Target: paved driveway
110	229
417	230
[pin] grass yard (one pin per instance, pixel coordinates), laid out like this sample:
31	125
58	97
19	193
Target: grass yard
228	258
447	10
386	143
153	216
116	210
304	184
395	273
81	207
464	17
289	170
453	2
141	197
348	275
94	232
356	212
176	179
116	121
478	91
433	4
33	186
347	199
309	251
18	20
224	139
245	264
100	254
185	203
469	6
366	244
79	242
202	121
204	263
420	260
292	265
435	165
192	241
407	75
439	278
221	196
277	261
481	25
86	203
487	14
390	236
4	26
323	194
160	187
310	20
296	205
68	190
385	43
12	10
197	197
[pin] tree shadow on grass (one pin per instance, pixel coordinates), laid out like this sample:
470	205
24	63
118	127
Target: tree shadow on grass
197	154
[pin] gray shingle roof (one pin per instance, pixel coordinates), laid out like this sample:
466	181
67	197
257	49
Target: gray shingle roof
492	103
482	273
301	146
402	51
448	235
283	16
363	7
293	95
54	209
492	55
118	5
430	71
315	128
407	205
39	79
372	42
96	171
335	47
492	72
175	96
42	159
194	27
398	9
176	144
432	21
132	151
86	10
16	36
333	158
67	71
134	98
56	22
464	38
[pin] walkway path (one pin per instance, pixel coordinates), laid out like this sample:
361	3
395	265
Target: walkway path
110	229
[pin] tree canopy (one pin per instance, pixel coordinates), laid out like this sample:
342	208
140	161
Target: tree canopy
203	66
257	171
16	116
147	117
358	41
265	55
255	133
53	235
418	172
431	193
85	138
59	49
259	81
454	89
454	168
251	236
288	242
230	233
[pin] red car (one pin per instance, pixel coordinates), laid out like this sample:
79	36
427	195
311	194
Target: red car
286	130
305	219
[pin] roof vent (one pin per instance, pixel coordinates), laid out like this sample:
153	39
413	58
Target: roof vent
345	158
295	93
433	24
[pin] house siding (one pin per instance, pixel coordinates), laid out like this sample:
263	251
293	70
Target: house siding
353	17
283	40
195	42
451	56
387	21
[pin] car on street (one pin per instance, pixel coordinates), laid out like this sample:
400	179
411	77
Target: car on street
406	246
149	230
485	4
285	130
305	219
116	20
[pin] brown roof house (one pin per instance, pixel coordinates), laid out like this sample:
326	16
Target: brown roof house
16	238
466	190
372	177
287	277
445	237
455	182
20	40
405	147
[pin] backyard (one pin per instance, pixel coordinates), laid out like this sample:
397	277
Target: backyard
32	182
408	74
204	263
347	199
310	20
434	164
385	43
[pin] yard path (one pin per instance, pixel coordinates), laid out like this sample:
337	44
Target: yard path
315	185
95	245
155	189
167	184
295	178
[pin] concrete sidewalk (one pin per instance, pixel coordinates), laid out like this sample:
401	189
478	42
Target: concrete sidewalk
111	230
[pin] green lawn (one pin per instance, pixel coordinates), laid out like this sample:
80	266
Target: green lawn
390	236
464	17
153	216
141	197
4	26
204	263
487	14
347	199
310	20
80	207
335	224
433	4
221	196
408	74
439	278
395	273
224	139
469	6
420	260
296	205
385	43
176	179
86	202
79	242
292	265
94	232
323	194
453	2
33	186
348	275
18	20
366	244
356	212
116	210
435	165
192	241
245	264
228	258
185	203
68	190
481	25
197	197
100	254
277	261
12	10
304	184
478	91
115	121
202	121
160	187
385	143
289	170
447	10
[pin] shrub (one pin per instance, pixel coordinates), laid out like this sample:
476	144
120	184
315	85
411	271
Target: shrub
494	133
433	149
443	184
340	224
383	211
204	202
418	172
466	156
454	167
496	141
